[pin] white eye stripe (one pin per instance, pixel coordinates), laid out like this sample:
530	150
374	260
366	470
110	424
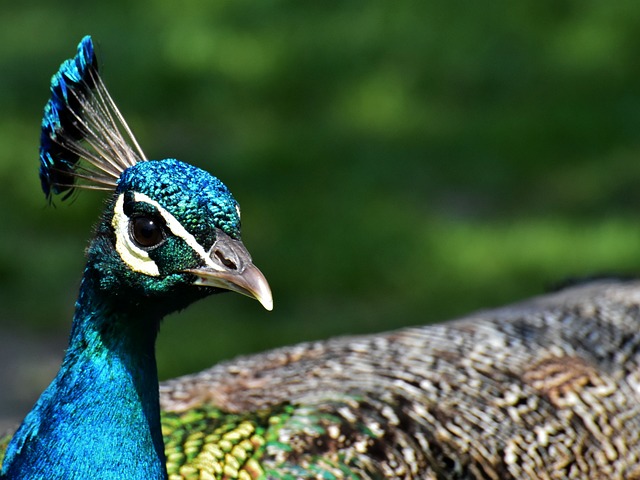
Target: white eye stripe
137	259
177	229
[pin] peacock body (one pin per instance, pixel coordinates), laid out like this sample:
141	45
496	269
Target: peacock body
547	389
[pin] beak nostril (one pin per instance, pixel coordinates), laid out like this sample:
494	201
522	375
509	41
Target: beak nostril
225	261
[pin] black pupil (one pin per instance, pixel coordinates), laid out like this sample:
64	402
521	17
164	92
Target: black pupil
146	232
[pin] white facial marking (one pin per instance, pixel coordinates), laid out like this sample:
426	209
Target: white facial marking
178	230
137	259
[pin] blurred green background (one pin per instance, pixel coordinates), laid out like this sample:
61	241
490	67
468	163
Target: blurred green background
398	163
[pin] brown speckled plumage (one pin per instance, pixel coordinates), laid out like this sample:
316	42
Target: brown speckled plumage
545	389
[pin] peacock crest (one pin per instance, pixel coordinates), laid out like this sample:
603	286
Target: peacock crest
81	121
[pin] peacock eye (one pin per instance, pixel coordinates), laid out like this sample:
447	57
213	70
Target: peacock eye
146	232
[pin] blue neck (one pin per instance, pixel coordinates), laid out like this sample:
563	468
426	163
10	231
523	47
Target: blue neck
100	417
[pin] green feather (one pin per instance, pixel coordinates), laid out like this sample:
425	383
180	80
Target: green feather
4	441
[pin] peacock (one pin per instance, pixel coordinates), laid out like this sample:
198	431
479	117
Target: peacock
545	389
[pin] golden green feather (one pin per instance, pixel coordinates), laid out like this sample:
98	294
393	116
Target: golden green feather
4	441
324	441
206	442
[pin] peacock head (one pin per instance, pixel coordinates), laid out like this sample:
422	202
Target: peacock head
171	232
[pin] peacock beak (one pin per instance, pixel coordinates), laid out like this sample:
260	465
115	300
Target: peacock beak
229	266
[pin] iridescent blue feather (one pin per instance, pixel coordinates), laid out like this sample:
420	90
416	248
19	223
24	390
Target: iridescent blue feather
81	121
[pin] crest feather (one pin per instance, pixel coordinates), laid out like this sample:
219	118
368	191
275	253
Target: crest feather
81	121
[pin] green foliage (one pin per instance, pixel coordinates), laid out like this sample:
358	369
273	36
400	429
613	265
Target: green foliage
397	162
